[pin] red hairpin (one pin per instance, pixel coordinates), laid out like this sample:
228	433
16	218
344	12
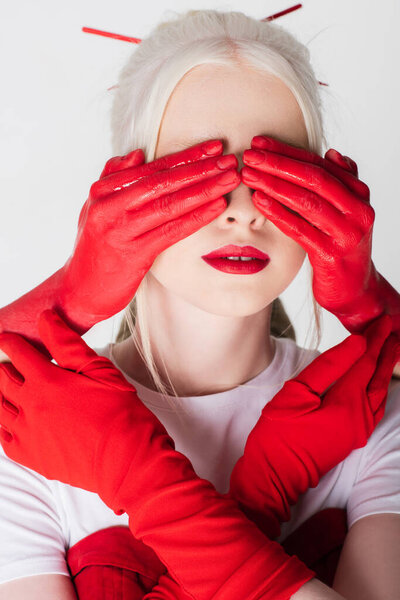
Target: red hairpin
125	38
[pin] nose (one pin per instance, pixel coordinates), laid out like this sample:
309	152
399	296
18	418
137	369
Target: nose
240	208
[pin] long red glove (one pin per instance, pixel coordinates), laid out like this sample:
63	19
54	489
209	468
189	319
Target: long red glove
305	431
133	212
167	585
333	222
83	424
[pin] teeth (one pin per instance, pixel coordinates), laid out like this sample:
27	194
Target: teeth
245	258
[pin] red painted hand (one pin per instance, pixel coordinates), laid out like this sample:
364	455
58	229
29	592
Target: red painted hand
322	205
131	216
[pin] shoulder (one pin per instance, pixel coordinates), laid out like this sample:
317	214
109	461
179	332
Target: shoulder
391	418
375	484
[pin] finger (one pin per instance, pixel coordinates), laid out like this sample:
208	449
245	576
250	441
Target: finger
316	178
188	156
5	438
71	352
10	381
171	206
171	232
336	158
8	413
118	163
273	145
378	386
344	161
291	224
353	165
65	345
162	182
12	373
311	206
329	366
23	355
375	335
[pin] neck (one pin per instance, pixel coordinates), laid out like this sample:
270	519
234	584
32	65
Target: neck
203	353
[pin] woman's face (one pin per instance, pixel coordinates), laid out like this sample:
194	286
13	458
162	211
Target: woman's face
232	104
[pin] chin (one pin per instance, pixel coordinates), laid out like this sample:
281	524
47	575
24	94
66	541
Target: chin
227	306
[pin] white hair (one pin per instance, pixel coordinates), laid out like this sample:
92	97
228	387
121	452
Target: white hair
156	66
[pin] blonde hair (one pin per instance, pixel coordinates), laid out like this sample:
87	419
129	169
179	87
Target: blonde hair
148	79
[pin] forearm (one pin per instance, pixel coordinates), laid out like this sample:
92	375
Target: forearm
21	315
205	542
380	298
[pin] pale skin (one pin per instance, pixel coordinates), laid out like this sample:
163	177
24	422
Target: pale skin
205	314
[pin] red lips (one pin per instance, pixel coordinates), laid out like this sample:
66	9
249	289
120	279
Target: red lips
232	250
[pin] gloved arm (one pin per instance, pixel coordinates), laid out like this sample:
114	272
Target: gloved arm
133	212
333	222
83	424
305	431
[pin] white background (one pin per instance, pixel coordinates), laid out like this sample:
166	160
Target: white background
55	132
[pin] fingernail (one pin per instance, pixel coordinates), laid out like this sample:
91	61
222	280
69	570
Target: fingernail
260	140
253	156
212	147
249	174
125	156
228	177
226	162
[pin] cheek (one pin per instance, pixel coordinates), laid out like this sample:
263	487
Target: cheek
296	254
288	248
171	269
289	257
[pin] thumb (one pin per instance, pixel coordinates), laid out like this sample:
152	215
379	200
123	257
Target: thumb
64	344
329	366
71	352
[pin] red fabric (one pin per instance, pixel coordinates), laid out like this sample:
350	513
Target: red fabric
318	542
111	564
120	233
303	431
83	424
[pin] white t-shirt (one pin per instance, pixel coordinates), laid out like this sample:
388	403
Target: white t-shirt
40	518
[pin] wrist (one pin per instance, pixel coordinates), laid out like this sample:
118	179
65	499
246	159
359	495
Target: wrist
70	306
378	298
21	315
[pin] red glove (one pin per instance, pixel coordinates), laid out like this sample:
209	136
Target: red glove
83	424
333	223
133	213
303	432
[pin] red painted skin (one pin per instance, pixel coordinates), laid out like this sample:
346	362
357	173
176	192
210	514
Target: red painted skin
337	236
305	431
378	297
124	222
333	224
179	515
131	462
